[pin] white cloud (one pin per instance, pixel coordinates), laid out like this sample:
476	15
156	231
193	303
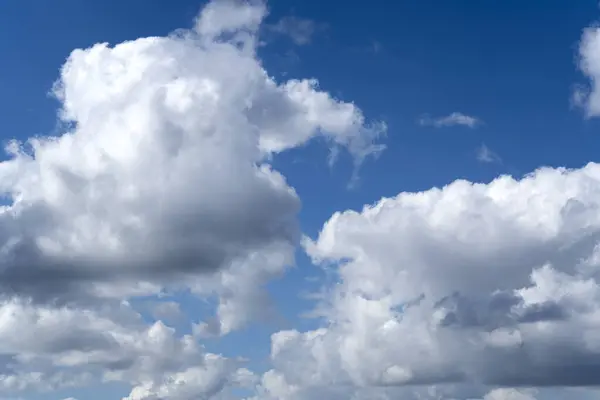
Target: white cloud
274	387
68	346
471	283
208	380
588	96
164	182
230	17
453	119
510	394
165	172
486	155
161	182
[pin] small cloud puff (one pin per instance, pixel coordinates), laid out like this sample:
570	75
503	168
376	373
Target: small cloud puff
453	119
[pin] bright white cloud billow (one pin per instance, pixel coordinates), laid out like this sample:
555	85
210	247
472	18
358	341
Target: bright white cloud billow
165	162
493	284
450	292
160	181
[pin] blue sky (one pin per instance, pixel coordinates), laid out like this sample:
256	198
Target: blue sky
510	64
434	58
508	69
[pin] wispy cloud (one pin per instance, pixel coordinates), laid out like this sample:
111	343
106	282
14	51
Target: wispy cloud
300	30
454	119
587	96
486	155
376	47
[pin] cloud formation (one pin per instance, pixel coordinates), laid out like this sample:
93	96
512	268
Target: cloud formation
165	169
588	96
486	155
446	293
161	181
489	284
453	119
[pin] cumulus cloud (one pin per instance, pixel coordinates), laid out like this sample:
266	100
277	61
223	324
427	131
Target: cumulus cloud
165	169
453	119
208	380
160	181
235	17
68	346
490	284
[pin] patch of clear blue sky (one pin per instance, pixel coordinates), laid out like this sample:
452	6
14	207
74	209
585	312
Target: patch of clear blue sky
510	63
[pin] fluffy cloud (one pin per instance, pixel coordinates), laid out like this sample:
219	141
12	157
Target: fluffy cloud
208	381
492	284
67	346
164	171
454	289
160	181
453	119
